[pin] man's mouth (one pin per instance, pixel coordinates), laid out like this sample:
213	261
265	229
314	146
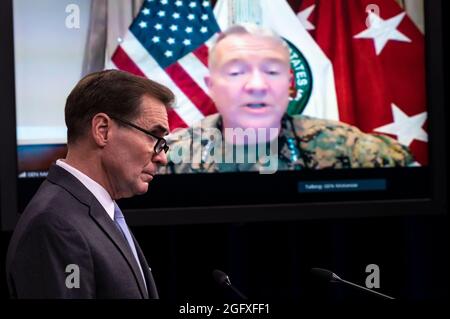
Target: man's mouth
256	105
148	176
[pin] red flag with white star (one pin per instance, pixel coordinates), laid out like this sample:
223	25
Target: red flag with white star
378	58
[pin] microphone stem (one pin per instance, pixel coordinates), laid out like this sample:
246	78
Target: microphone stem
238	293
367	289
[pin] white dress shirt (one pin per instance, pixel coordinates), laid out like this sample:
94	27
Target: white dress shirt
95	188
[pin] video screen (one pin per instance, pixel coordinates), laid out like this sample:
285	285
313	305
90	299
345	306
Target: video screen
349	114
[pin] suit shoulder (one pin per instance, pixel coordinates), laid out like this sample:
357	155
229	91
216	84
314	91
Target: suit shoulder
185	135
186	145
341	139
52	209
56	200
307	125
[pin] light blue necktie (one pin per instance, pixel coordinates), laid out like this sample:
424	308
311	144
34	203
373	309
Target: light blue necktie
119	220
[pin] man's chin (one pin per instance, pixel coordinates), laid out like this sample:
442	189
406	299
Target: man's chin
139	189
260	122
142	189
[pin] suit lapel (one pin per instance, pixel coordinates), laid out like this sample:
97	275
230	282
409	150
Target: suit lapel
151	286
107	225
60	176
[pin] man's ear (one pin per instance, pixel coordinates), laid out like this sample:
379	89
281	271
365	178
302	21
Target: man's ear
101	129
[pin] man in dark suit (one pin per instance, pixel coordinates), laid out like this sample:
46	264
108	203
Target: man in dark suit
72	240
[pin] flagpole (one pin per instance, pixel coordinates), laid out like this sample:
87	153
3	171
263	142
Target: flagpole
244	11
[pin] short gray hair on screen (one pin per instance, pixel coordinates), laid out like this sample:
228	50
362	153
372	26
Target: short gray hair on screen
246	28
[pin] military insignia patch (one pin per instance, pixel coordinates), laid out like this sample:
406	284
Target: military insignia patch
302	81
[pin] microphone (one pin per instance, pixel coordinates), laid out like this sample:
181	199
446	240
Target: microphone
332	277
224	281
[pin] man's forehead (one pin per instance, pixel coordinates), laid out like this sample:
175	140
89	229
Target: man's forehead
240	46
156	125
249	59
154	115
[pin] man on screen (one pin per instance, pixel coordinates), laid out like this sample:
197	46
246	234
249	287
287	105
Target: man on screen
249	82
72	240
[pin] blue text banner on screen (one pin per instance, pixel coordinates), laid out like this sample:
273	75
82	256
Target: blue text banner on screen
342	185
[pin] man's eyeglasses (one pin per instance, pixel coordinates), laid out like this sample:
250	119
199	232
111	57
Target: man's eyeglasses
161	143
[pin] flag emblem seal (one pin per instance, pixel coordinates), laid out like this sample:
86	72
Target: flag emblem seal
302	81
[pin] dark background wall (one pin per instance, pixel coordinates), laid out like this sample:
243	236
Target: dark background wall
272	261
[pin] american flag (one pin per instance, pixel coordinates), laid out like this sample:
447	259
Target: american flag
168	42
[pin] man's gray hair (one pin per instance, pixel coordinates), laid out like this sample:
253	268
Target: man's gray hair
246	28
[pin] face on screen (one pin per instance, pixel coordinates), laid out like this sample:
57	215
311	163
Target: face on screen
249	81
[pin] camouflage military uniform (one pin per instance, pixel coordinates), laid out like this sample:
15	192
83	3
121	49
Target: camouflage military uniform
303	143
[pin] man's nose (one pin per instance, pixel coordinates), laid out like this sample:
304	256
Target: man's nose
256	83
160	158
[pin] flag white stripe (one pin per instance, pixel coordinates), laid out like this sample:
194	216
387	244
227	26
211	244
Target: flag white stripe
323	100
109	65
187	111
211	40
196	70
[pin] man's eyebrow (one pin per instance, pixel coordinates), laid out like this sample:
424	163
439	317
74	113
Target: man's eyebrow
159	129
233	61
242	61
276	60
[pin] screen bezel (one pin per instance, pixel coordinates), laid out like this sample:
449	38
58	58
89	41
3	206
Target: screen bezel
435	203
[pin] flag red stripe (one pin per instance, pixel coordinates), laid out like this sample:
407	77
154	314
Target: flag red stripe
202	54
189	87
123	62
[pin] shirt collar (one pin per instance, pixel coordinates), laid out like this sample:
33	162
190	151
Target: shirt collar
95	188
